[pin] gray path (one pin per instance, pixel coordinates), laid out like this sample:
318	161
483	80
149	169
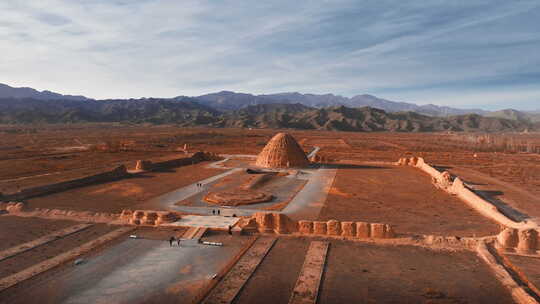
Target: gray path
135	271
169	199
307	204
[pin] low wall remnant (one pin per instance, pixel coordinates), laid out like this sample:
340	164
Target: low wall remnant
455	186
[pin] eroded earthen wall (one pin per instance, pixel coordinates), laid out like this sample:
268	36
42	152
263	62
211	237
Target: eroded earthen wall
457	187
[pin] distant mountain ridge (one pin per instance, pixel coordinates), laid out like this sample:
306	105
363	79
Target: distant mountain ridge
226	101
188	112
11	92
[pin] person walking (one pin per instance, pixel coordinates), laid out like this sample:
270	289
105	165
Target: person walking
213	212
218	212
230	230
179	242
171	240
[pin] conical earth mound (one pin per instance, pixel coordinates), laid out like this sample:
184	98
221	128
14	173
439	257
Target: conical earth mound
282	151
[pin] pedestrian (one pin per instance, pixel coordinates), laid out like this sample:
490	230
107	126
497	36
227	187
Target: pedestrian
171	240
213	212
178	242
230	230
218	212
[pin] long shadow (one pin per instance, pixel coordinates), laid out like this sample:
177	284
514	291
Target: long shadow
139	175
164	170
441	168
468	182
491	196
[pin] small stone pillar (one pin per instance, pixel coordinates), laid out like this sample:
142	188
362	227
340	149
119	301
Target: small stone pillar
348	229
377	230
280	223
14	207
389	232
319	227
333	227
149	218
527	241
507	239
363	230
165	217
136	219
126	215
265	222
305	227
143	165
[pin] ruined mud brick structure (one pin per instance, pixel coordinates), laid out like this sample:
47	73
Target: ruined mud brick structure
237	197
282	151
148	217
279	223
521	237
114	174
526	241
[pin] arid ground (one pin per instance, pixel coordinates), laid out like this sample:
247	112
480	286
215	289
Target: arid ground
366	188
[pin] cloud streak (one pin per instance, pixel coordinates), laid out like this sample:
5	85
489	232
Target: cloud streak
426	52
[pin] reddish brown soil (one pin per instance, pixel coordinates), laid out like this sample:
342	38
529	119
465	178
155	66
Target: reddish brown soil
27	151
126	193
274	279
528	267
39	254
520	198
16	230
403	197
362	273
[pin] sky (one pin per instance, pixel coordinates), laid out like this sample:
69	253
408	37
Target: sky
467	54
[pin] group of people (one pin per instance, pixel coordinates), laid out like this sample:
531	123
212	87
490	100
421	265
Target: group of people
199	185
172	239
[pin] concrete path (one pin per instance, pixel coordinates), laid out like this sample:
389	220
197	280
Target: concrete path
134	271
169	199
307	286
307	204
219	222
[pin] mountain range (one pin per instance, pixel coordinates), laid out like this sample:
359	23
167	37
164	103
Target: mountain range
283	110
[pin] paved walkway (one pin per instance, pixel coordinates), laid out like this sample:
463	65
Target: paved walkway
134	271
307	204
169	199
219	222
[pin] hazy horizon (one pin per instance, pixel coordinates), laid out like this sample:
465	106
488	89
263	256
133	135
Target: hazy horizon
479	54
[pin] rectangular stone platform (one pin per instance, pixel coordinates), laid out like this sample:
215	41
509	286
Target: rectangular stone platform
216	222
309	280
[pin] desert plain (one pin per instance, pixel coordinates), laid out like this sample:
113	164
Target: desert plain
362	222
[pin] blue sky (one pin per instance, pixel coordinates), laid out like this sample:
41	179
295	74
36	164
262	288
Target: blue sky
457	53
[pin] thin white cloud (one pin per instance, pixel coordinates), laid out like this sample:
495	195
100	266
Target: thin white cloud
116	49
